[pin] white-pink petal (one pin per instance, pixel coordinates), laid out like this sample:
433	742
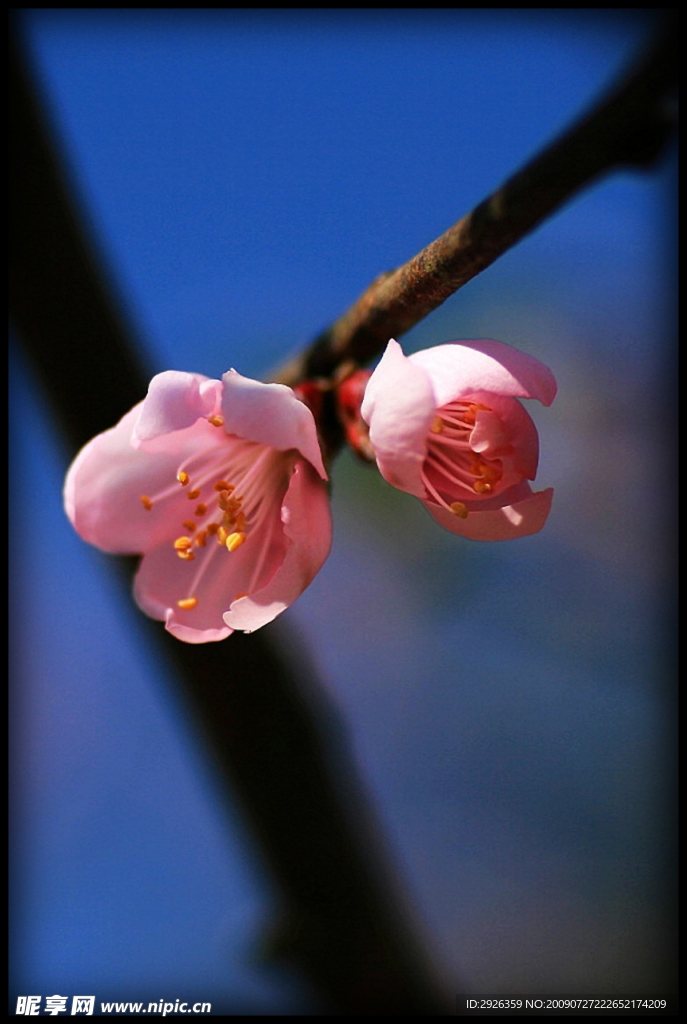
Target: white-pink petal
523	437
174	402
162	579
169	483
399	407
459	368
270	414
306	518
518	518
109	477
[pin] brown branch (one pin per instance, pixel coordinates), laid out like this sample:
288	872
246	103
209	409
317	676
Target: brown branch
629	127
340	925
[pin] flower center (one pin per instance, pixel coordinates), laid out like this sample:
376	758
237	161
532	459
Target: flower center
227	522
452	469
225	506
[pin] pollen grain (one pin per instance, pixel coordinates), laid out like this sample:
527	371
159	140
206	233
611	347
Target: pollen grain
460	509
234	541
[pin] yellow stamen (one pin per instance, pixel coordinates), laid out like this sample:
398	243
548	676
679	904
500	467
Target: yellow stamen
201	539
437	425
459	509
222	534
202	509
187	603
195	493
235	540
183	477
216	421
187	556
146	502
488	474
470	414
183	543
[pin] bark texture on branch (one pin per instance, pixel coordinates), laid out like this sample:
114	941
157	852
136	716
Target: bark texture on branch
628	127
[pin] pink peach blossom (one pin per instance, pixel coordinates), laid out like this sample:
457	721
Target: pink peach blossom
446	426
220	485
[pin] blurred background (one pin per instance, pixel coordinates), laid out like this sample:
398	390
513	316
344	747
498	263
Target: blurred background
243	176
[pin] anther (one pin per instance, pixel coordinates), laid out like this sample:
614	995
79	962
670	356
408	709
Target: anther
195	493
216	421
190	525
187	556
488	474
437	425
187	603
146	502
183	477
222	485
201	539
235	540
183	543
202	509
459	509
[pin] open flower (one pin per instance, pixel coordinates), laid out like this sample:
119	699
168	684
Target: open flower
220	486
446	425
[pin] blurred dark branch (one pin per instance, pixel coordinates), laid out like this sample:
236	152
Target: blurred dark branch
340	926
628	127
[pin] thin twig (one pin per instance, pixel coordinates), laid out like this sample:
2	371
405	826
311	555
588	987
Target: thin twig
628	127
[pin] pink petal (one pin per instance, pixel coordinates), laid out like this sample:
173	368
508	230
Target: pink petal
307	526
163	579
272	415
106	481
520	518
175	401
490	435
522	435
459	368
194	636
399	407
215	578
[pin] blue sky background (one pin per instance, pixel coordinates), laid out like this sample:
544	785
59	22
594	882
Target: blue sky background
244	176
